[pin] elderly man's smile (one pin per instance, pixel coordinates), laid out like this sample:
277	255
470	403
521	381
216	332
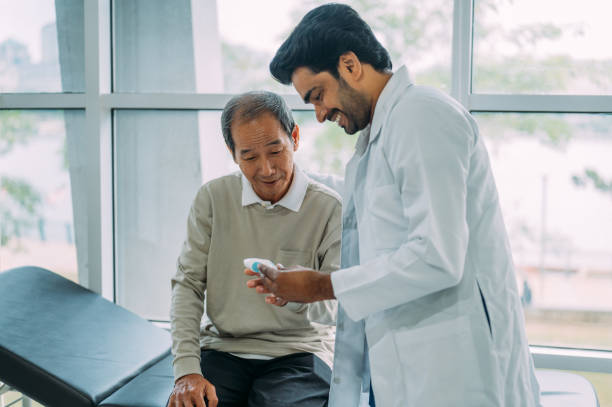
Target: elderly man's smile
272	182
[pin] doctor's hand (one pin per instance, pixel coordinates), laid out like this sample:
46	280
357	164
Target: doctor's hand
270	299
297	284
190	390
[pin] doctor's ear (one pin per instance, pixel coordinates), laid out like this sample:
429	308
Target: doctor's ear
349	66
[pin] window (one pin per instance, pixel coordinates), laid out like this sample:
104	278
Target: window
552	169
539	87
41	46
543	47
208	47
42	170
161	158
549	169
39	163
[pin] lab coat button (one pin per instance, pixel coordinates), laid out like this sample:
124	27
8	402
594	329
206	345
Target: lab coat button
340	326
336	380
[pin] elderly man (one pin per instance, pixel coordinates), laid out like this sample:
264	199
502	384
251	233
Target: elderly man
249	353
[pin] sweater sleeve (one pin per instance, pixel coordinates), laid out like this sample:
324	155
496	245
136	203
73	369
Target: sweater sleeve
188	287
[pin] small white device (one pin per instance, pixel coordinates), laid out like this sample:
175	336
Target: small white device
253	264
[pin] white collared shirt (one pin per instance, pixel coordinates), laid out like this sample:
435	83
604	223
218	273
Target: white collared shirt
292	199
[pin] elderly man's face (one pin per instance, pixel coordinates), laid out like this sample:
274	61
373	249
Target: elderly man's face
264	154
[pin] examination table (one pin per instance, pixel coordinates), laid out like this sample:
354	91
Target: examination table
65	346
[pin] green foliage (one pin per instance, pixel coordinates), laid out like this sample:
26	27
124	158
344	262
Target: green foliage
15	127
22	193
437	76
599	125
551	129
513	75
531	34
20	201
337	146
21	208
246	69
526	74
332	146
591	176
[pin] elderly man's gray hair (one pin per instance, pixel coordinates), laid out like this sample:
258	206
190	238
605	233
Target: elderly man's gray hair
251	105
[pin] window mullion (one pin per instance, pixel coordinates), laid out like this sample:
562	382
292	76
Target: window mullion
541	103
462	51
99	273
181	101
42	101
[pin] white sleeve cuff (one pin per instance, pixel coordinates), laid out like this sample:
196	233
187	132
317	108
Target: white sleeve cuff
344	284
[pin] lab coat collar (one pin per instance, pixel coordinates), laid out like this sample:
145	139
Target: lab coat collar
362	142
392	91
293	197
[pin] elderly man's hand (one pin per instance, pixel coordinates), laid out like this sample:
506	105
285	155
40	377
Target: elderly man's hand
297	284
190	390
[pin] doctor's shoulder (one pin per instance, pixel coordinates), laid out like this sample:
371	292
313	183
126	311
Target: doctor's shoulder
420	103
322	196
421	109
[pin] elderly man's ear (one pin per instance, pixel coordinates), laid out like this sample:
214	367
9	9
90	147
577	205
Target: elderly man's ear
295	137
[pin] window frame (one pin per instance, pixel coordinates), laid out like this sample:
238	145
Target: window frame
99	102
548	357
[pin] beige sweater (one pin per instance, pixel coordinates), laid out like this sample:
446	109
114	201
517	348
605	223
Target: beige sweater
220	234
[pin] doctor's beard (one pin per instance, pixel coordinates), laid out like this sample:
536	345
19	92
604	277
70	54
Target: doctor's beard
356	107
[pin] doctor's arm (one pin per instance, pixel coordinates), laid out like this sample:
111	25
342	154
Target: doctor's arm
428	151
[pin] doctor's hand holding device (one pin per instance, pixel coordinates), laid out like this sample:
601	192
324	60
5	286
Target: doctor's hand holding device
253	263
252	269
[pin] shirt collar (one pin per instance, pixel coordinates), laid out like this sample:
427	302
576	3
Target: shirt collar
394	89
292	199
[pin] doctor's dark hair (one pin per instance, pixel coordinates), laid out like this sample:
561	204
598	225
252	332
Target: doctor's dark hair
323	35
251	105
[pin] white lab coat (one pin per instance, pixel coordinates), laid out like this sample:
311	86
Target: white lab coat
426	264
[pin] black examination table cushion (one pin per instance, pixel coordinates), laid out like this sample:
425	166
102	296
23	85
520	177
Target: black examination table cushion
64	345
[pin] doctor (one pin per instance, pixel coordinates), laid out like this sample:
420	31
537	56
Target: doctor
429	310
